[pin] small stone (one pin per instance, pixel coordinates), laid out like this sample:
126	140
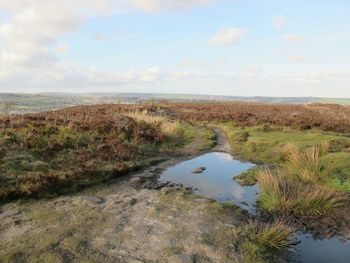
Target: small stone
133	261
166	190
135	181
9	213
88	200
200	200
180	258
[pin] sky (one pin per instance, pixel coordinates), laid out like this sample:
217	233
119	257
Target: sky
218	47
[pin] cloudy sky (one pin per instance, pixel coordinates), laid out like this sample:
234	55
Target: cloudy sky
227	47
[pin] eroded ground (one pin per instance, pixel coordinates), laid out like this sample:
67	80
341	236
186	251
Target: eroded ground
117	224
124	222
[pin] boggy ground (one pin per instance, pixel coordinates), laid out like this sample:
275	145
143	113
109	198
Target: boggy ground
304	175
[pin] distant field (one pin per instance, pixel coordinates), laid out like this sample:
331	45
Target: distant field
21	103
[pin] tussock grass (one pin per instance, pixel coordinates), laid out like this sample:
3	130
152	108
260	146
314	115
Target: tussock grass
305	164
263	242
289	195
277	236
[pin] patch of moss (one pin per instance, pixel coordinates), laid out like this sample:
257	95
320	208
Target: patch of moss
248	178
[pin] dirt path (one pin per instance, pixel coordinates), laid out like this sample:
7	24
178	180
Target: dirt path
123	222
222	143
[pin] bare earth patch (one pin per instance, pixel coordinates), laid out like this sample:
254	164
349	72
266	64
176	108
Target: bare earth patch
119	224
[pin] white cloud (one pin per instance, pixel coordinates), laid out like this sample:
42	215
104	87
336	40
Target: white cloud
298	58
278	22
228	36
29	33
293	37
158	5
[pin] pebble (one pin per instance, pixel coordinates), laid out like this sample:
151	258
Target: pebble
9	213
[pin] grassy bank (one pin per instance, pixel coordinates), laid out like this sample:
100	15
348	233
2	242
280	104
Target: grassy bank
309	171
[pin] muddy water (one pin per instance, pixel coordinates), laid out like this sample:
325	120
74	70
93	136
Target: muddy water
216	182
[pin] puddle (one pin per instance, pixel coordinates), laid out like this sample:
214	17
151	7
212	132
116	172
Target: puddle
312	250
216	180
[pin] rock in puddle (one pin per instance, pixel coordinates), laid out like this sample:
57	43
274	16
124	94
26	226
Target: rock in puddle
199	170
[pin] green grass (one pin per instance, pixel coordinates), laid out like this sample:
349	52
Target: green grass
249	177
267	145
311	173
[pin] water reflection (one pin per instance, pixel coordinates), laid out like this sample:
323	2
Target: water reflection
216	181
311	250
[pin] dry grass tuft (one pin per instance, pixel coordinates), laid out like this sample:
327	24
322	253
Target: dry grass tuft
305	163
171	129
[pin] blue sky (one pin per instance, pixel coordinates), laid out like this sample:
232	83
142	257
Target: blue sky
237	47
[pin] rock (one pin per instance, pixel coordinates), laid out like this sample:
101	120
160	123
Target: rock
201	200
135	181
156	170
166	190
180	258
93	199
133	261
244	203
148	176
9	213
155	185
88	200
199	170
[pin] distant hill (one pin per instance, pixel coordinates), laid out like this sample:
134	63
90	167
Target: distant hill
20	103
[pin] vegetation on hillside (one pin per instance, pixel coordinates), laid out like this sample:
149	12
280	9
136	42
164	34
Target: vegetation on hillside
327	117
66	150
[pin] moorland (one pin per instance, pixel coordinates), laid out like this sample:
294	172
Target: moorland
79	184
